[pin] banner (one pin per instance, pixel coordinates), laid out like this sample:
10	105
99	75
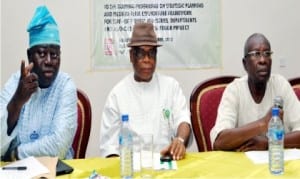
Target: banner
189	30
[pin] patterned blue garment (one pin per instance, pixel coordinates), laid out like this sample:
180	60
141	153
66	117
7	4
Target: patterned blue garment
47	122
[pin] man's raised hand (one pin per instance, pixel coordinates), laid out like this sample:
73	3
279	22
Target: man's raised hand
28	83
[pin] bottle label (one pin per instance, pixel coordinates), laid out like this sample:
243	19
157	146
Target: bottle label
277	134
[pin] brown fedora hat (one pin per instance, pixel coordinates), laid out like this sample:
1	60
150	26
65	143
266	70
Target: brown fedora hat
143	34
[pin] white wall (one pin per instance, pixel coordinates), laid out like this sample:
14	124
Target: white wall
277	19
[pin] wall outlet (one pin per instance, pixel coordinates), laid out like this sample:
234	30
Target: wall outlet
282	62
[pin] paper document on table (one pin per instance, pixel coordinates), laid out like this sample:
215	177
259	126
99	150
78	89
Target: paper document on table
33	168
261	157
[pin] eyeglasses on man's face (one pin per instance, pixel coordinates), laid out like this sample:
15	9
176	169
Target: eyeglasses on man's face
258	54
140	53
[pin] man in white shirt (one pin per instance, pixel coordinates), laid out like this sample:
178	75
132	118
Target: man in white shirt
154	102
245	108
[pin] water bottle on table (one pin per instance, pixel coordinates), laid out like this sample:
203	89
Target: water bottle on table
276	145
126	149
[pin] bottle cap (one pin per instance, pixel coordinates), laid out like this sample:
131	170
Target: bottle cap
124	117
275	111
278	102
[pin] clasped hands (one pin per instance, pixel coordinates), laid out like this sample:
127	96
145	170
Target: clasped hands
259	142
255	143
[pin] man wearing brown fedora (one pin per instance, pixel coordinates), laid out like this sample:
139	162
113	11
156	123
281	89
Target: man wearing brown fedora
154	102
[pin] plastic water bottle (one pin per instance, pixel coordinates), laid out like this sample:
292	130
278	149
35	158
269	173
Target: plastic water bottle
276	145
126	149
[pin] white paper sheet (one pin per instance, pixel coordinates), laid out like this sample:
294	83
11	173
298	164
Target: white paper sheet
261	157
34	168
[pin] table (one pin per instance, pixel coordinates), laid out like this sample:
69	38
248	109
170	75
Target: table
214	164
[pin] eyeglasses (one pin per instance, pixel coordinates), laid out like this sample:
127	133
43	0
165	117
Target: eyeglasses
257	54
140	53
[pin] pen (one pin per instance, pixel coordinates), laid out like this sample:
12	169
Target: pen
15	168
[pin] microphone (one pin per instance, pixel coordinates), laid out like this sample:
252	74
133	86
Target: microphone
278	102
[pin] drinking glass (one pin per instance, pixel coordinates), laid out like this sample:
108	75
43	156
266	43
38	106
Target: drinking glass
146	155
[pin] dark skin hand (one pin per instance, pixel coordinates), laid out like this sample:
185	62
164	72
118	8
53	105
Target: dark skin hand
255	143
177	148
258	142
248	137
28	84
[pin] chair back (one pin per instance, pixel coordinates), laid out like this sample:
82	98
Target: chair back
82	134
204	103
295	83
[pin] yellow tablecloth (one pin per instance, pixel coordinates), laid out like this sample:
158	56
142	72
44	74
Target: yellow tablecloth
216	164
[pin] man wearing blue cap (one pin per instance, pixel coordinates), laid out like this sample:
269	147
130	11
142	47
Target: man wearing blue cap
38	109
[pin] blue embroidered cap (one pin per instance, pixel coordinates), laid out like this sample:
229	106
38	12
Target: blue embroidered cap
43	28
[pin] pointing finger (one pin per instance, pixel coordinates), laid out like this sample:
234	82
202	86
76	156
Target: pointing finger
23	71
29	68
